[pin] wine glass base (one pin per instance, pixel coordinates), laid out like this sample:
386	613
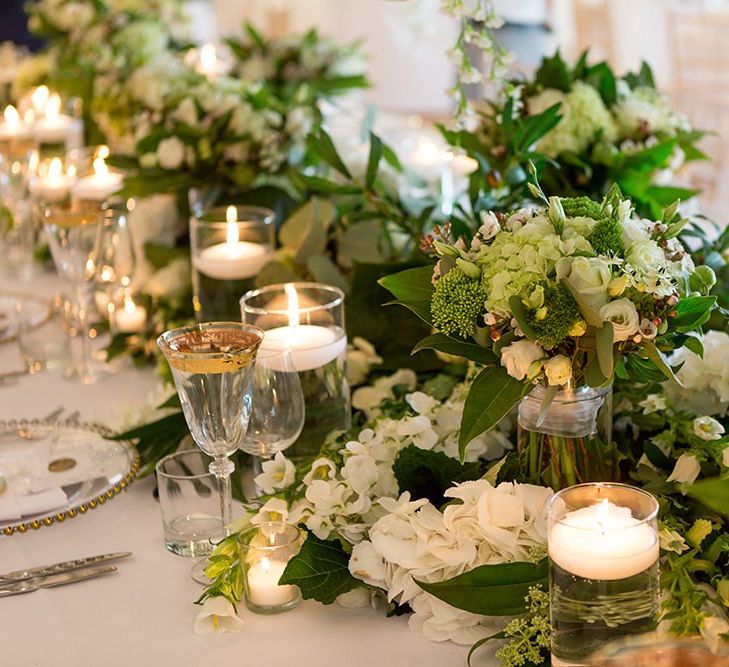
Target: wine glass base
198	572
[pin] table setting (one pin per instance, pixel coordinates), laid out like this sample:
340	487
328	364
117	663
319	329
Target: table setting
280	371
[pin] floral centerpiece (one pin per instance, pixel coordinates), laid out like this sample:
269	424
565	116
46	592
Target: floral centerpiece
586	128
556	302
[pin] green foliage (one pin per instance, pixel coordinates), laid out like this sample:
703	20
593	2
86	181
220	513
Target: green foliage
457	302
575	207
491	590
320	570
605	237
714	493
562	314
428	474
470	351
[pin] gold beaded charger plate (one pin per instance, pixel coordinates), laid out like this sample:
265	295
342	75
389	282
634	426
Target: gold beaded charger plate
38	313
54	471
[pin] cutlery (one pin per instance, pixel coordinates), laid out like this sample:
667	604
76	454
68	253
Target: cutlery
30	585
7	378
60	568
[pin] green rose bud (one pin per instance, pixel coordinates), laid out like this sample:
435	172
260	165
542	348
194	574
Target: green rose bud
702	279
470	269
445	249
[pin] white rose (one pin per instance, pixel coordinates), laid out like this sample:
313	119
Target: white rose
519	356
590	276
707	428
623	316
633	231
171	153
646	256
558	370
686	470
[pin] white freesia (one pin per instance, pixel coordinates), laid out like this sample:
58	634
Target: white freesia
686	470
518	358
590	276
623	316
369	398
277	474
170	153
653	403
707	428
217	616
558	370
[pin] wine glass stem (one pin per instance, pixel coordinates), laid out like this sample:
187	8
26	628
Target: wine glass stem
222	468
81	292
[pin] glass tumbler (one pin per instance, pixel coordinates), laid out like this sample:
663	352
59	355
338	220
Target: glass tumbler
43	343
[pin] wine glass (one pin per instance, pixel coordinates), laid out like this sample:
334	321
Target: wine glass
73	238
116	261
277	415
213	365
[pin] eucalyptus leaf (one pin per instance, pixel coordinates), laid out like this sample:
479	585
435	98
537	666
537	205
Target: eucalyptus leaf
304	233
325	271
604	345
549	396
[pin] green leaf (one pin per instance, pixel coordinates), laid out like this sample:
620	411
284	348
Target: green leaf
320	570
493	393
470	351
652	158
554	73
659	359
592	317
695	345
593	373
520	312
604	345
692	312
549	396
326	272
373	161
532	128
665	195
713	493
428	474
321	144
411	284
491	590
305	231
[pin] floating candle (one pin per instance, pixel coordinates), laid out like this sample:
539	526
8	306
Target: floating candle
100	185
234	259
13	128
131	318
603	542
55	127
54	186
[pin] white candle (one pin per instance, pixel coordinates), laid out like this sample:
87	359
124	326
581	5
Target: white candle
603	542
13	128
310	346
234	259
55	127
54	186
263	587
100	185
131	318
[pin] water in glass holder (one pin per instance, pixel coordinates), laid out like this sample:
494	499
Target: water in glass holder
604	577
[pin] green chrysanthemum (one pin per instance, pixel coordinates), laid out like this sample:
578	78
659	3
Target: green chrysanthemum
581	207
605	237
457	302
558	315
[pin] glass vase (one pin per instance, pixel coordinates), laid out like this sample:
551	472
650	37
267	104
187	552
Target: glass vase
570	441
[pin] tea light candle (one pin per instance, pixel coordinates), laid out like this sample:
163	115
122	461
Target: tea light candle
263	586
100	185
234	259
13	128
54	186
55	127
131	318
603	542
310	346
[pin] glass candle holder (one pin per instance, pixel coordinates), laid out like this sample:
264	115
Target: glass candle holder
95	183
308	320
265	550
230	245
655	650
58	125
604	579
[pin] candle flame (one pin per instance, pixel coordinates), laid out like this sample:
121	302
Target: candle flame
265	564
39	97
602	515
103	152
53	106
293	304
208	58
231	216
55	169
129	305
12	118
100	168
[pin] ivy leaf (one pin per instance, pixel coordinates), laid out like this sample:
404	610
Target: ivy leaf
428	474
320	570
493	393
470	351
491	590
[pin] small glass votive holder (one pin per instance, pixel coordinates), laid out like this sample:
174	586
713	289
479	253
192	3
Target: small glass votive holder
307	319
265	549
43	343
229	245
604	576
189	502
654	650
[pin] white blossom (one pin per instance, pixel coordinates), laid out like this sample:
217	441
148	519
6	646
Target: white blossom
707	428
686	470
217	616
278	473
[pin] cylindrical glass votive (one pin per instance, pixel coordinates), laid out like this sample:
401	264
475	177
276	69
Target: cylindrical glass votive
654	650
604	580
230	245
265	550
308	320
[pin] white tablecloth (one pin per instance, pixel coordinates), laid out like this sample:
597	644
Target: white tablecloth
143	614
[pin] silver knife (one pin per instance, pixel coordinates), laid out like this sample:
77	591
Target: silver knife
60	568
30	585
